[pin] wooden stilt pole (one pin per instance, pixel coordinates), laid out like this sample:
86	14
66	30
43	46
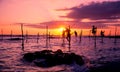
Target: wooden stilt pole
69	38
115	40
47	36
11	34
38	37
1	34
89	34
22	37
80	37
109	34
26	37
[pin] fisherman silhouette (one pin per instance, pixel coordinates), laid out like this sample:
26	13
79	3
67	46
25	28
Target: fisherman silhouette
94	30
102	33
68	37
75	33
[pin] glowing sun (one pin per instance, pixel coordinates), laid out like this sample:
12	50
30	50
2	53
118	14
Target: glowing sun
61	29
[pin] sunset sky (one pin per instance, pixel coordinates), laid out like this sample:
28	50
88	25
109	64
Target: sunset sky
79	14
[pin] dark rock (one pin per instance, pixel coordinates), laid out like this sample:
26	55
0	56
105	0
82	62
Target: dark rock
59	51
41	63
46	51
48	58
79	60
38	54
43	54
29	57
67	58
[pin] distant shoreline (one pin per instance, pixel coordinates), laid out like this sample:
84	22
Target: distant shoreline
118	36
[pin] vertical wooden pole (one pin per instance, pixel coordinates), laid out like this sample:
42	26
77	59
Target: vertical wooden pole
95	41
102	35
89	34
11	34
94	31
1	34
38	37
22	31
22	37
102	39
115	40
47	36
80	36
69	38
109	34
63	38
26	37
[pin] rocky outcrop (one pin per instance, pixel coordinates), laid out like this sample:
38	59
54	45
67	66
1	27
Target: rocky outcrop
48	58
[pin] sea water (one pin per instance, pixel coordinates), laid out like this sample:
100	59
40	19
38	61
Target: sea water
97	52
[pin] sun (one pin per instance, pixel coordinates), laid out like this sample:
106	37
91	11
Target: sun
61	29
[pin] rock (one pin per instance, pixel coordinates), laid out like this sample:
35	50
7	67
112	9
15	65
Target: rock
43	54
67	58
79	60
59	51
41	63
29	57
48	58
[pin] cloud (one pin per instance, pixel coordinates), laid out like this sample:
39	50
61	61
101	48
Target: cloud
118	25
50	24
95	11
102	15
73	24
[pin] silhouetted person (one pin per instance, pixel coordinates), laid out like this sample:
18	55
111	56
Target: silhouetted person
94	30
75	33
80	37
68	37
102	33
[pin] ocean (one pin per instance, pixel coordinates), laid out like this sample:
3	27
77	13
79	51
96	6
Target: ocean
98	53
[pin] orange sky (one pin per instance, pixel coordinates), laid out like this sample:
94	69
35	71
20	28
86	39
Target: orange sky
38	11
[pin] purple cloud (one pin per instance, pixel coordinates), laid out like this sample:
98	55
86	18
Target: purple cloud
95	11
118	25
73	24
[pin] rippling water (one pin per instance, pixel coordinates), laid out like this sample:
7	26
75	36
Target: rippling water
11	52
